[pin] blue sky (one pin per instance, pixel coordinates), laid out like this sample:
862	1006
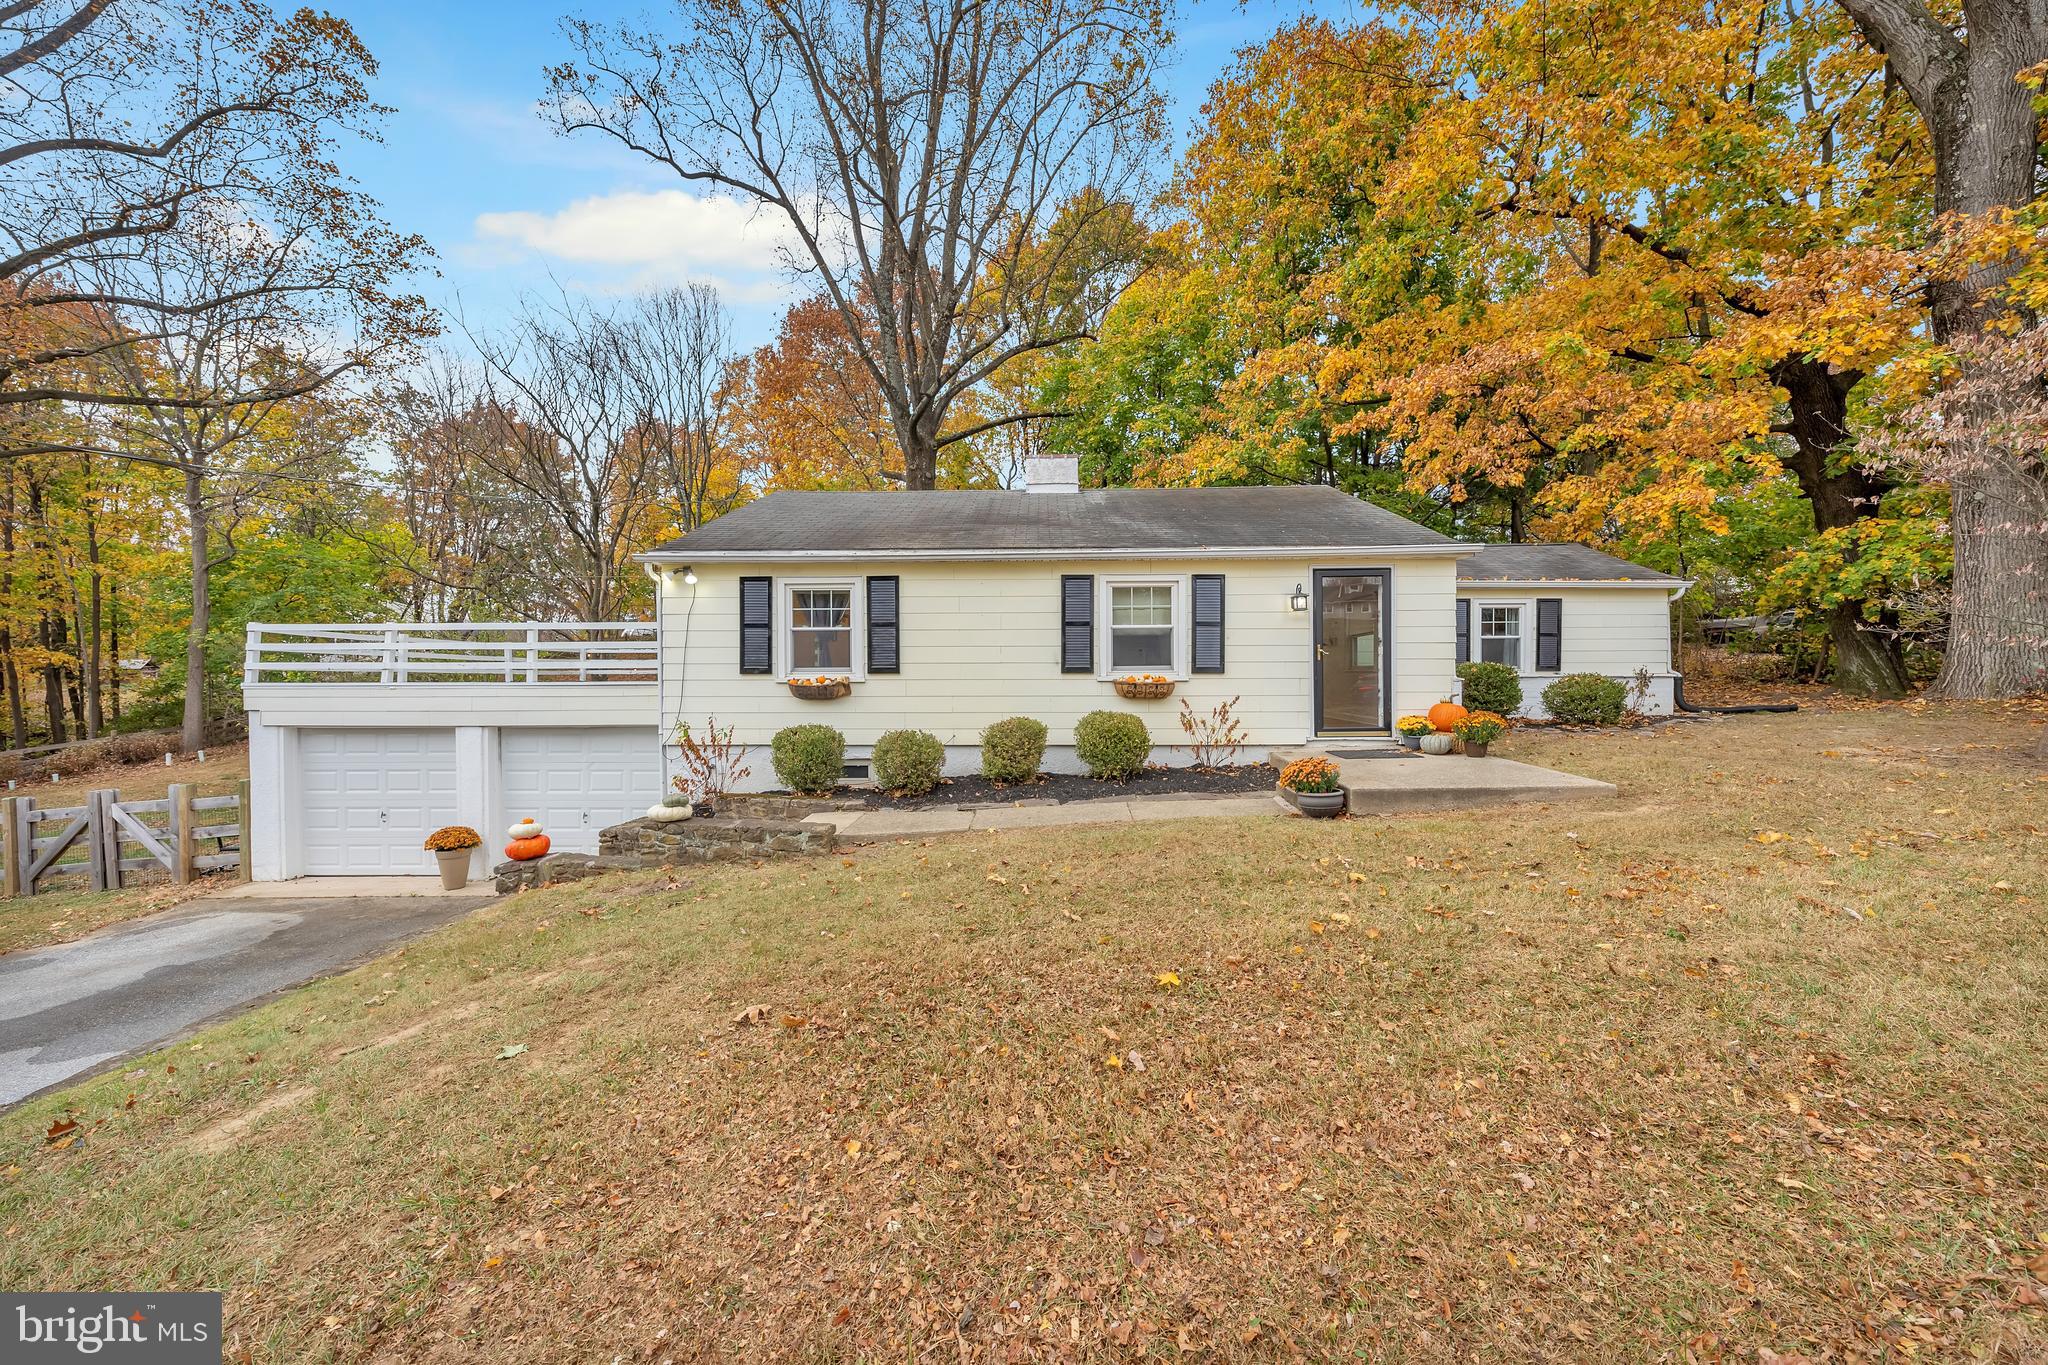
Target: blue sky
512	208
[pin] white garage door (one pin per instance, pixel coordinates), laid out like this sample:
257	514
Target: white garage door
575	782
371	797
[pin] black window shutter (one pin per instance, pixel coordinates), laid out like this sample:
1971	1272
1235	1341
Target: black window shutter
1549	634
1208	622
883	649
1464	631
1077	623
757	630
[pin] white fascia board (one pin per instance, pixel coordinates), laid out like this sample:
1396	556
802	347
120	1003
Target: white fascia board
831	556
1485	585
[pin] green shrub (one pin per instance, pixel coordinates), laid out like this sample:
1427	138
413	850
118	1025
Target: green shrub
1113	744
908	762
810	758
1585	699
1012	749
1491	687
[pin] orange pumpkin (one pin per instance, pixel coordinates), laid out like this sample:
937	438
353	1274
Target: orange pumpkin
1445	714
526	850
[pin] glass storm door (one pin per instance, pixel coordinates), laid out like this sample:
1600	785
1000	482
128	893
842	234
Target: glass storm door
1351	650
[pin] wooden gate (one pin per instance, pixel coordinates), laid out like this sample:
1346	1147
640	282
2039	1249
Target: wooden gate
96	845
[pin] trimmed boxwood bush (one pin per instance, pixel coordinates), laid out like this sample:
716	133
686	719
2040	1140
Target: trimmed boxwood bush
810	758
1012	749
908	762
1113	744
1585	699
1491	687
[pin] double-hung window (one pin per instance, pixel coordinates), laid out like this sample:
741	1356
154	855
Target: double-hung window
1144	627
821	629
1500	635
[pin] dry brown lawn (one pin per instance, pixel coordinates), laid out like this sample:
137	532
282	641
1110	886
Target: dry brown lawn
1746	1065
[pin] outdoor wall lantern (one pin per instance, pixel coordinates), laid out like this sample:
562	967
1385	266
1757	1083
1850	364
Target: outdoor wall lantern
1300	599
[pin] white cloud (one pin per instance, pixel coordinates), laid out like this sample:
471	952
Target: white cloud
650	238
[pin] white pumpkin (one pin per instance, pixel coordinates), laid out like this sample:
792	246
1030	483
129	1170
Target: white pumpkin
526	829
663	813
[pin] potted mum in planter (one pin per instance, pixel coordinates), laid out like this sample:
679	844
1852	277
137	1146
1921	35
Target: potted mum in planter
451	846
1478	730
1411	729
1314	783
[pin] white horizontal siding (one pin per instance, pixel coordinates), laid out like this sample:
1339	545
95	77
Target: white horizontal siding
1615	632
980	641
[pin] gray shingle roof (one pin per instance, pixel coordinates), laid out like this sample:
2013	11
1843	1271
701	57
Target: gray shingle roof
1553	564
1159	520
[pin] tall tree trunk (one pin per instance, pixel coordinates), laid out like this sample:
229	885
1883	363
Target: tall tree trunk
194	737
114	654
1998	500
1868	658
53	682
48	625
17	720
1980	118
95	713
920	442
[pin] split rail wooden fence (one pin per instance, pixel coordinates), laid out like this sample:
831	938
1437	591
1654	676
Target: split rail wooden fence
96	846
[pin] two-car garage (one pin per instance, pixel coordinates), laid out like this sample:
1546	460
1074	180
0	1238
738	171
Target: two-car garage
350	782
369	796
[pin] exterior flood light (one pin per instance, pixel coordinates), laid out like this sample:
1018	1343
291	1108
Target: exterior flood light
690	576
1300	599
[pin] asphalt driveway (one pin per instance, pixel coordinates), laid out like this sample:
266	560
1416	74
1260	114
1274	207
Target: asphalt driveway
71	1009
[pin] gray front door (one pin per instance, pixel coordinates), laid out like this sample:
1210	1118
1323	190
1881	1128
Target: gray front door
1353	658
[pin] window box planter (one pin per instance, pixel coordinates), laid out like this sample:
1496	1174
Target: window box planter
820	689
1144	689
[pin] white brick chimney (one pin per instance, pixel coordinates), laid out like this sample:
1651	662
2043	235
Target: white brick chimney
1052	474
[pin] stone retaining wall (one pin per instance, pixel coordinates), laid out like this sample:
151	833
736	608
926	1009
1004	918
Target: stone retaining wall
655	843
713	839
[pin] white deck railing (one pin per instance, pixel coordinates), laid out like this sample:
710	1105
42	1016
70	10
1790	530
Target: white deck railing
500	652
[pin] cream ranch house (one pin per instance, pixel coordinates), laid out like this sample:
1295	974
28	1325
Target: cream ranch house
1323	615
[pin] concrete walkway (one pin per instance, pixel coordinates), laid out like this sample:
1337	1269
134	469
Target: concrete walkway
859	825
1399	786
74	1008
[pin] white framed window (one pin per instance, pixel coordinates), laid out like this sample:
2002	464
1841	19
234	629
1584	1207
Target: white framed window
820	623
1144	627
1501	627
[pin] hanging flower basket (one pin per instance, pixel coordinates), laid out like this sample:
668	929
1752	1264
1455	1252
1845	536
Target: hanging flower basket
1144	687
820	689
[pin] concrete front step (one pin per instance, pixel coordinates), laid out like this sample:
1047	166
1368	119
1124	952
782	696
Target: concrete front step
1395	786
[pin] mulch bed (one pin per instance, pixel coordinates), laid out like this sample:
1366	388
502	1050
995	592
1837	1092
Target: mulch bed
1054	788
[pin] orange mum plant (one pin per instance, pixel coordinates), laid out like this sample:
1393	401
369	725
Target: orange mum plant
1310	775
452	838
